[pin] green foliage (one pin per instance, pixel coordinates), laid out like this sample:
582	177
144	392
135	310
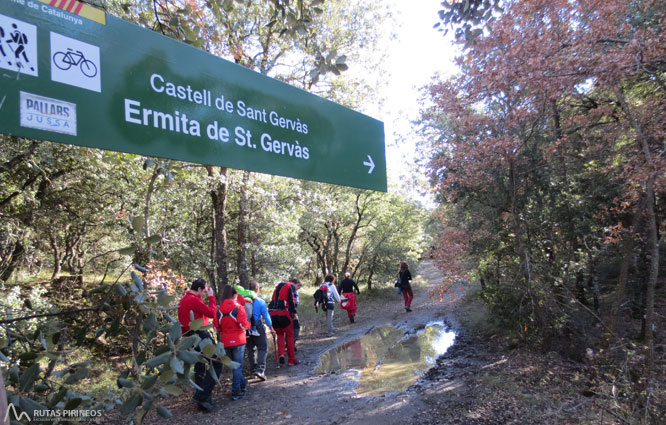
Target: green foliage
161	359
365	233
467	17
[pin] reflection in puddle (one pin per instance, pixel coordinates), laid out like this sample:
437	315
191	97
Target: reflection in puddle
389	360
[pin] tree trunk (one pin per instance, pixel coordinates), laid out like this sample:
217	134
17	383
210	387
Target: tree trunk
352	237
57	256
319	248
326	253
149	195
652	231
72	244
243	232
523	255
371	271
331	253
653	254
211	271
219	200
14	260
620	290
254	269
336	253
361	260
324	261
254	266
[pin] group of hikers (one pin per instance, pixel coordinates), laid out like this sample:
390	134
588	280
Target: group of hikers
243	317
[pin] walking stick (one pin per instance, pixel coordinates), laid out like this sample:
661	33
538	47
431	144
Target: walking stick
277	361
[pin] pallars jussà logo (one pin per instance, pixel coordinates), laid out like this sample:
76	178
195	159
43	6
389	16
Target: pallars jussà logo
45	113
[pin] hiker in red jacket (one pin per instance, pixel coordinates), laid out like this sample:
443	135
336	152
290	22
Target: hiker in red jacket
282	309
232	323
190	308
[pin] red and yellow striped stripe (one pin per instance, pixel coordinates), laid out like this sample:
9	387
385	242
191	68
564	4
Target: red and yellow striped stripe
80	9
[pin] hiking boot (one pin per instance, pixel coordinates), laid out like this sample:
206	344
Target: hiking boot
407	309
237	395
351	319
294	363
206	406
281	359
260	375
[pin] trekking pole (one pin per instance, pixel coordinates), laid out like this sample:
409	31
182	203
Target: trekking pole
277	361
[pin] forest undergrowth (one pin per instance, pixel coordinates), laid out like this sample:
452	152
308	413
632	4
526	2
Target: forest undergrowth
490	377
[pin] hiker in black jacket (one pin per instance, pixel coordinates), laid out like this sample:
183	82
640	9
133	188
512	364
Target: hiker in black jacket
404	279
347	288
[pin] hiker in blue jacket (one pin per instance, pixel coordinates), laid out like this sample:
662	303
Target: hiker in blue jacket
258	339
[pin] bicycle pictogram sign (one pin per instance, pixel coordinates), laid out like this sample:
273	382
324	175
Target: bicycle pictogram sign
70	58
75	62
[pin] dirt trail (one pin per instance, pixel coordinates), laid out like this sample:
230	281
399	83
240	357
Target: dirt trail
295	395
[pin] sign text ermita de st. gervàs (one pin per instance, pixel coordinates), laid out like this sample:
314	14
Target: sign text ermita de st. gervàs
106	83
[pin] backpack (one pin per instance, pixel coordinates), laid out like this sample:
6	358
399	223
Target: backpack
233	314
277	304
278	309
321	298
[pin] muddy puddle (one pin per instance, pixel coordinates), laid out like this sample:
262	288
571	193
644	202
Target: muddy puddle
389	359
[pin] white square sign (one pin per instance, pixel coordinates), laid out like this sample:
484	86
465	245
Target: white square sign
45	113
18	46
75	63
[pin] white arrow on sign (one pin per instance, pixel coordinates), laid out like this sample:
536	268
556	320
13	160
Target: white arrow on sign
370	164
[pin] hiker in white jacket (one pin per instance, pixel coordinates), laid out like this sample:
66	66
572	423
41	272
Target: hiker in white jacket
333	297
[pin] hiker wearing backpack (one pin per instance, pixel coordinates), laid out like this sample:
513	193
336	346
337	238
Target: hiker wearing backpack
232	323
297	324
259	341
190	308
404	279
21	41
331	297
282	309
347	288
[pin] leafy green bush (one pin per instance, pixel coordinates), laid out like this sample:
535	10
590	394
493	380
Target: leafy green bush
45	368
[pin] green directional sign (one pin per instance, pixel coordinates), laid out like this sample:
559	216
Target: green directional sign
74	78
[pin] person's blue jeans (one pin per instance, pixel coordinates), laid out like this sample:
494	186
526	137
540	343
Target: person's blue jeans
237	353
297	329
329	320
